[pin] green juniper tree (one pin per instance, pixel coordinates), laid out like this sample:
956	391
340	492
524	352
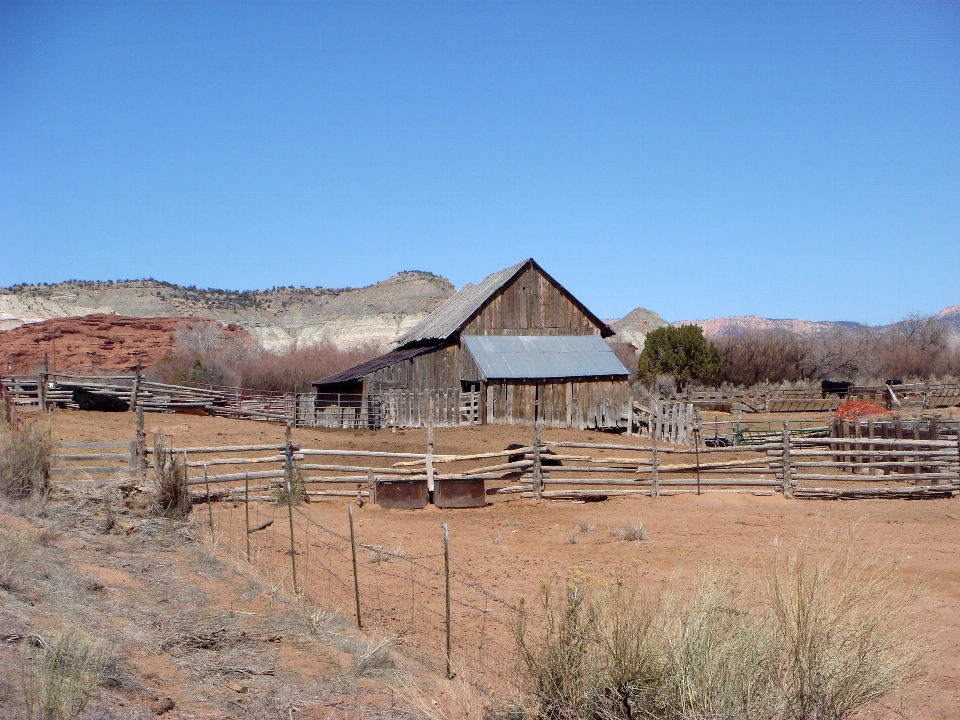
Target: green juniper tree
681	352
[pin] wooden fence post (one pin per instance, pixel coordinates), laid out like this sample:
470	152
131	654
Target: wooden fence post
135	390
141	448
353	552
654	472
537	470
429	458
42	390
246	507
787	485
446	573
207	484
696	441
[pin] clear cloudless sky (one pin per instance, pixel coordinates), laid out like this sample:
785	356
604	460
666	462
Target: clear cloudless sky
786	159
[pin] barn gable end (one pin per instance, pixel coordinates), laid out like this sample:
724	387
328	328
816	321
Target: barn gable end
532	302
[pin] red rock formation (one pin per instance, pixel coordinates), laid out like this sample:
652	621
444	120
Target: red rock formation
92	343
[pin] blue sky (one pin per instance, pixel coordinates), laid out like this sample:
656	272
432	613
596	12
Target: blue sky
699	159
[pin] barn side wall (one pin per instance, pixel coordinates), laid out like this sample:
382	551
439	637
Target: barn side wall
531	305
582	404
436	369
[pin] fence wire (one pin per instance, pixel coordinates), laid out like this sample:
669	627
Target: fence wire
401	596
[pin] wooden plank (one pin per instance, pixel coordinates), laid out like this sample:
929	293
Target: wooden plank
91	457
99	470
119	444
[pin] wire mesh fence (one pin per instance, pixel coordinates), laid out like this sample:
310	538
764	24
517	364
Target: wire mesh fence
390	593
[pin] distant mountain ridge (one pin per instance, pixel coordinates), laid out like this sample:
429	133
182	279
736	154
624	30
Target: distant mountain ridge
730	325
277	318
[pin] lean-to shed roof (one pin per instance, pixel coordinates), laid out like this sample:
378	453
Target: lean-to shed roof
456	312
543	356
371	366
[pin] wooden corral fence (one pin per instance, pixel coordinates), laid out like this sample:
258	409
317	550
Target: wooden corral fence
411	408
912	396
832	467
9	408
93	460
44	389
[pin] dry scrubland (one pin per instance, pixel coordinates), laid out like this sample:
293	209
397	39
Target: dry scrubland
180	616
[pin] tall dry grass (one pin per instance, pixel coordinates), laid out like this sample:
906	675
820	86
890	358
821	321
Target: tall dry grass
847	627
59	678
827	634
170	482
24	460
16	554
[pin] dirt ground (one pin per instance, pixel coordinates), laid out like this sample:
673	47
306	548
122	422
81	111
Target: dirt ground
508	546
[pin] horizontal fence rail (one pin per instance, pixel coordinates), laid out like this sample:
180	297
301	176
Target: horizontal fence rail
789	463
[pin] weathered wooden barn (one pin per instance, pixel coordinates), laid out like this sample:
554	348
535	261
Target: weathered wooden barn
518	345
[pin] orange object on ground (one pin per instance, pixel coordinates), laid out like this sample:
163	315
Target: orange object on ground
857	409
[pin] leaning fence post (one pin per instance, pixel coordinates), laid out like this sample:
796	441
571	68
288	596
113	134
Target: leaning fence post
288	451
537	468
446	572
207	484
141	449
246	506
353	552
787	485
654	472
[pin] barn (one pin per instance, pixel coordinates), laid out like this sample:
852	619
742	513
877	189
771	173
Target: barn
512	349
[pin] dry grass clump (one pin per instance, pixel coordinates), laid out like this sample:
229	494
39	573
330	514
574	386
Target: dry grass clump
170	480
721	651
16	552
634	532
570	538
59	678
374	657
588	527
847	630
596	654
823	638
298	488
380	554
24	461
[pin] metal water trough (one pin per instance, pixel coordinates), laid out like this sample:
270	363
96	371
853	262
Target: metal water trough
459	493
401	494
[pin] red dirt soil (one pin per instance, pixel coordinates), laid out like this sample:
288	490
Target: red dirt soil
512	544
92	343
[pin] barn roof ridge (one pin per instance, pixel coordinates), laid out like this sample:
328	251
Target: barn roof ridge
457	311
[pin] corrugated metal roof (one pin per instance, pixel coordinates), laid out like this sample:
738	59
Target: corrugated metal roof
371	366
543	356
450	317
455	312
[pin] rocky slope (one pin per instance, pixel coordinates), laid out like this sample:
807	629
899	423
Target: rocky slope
634	326
92	344
276	318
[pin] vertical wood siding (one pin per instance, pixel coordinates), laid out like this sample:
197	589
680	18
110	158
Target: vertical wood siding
530	305
582	404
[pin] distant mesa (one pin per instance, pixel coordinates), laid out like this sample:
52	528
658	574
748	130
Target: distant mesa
277	318
718	327
633	327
